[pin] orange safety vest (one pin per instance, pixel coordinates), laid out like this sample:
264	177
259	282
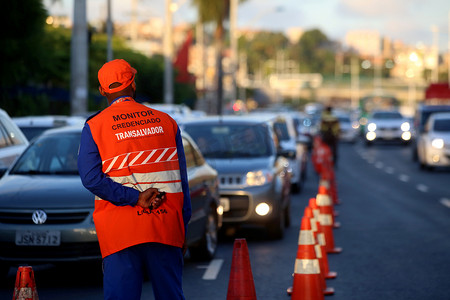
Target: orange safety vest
137	146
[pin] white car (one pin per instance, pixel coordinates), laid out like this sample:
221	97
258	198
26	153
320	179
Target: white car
349	128
387	126
12	141
433	144
295	148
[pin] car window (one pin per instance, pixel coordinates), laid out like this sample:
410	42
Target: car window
231	140
442	125
9	135
52	154
387	115
281	131
189	154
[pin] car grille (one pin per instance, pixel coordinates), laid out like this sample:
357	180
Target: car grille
64	252
388	128
230	180
71	217
239	205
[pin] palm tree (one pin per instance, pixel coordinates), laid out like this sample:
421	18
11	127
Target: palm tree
215	11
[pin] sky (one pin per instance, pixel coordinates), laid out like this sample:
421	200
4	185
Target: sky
409	21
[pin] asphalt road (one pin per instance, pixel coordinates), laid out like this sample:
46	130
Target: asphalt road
395	228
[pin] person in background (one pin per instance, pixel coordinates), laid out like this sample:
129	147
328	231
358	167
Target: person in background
129	156
329	131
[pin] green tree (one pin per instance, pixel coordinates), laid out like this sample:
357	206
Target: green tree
262	47
315	53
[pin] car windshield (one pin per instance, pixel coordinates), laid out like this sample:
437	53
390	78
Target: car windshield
442	125
387	115
344	119
231	140
50	154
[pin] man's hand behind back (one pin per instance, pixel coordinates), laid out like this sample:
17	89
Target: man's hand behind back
150	199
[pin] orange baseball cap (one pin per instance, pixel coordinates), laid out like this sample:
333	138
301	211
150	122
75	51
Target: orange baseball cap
116	71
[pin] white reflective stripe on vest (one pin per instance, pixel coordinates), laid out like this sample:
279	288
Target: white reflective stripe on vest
167	181
306	266
140	158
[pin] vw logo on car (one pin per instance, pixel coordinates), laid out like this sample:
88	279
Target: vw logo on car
39	217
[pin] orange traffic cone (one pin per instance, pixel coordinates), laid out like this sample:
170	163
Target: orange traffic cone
320	238
328	179
25	288
307	277
323	199
324	215
241	285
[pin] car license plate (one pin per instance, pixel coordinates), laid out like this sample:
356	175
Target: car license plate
38	238
225	202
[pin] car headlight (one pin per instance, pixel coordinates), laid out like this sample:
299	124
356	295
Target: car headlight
262	209
405	126
371	135
437	143
260	177
372	127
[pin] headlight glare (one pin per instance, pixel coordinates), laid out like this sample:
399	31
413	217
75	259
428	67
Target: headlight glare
258	178
405	126
372	127
437	143
262	209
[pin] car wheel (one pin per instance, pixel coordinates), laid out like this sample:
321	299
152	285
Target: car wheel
287	216
275	228
4	271
207	246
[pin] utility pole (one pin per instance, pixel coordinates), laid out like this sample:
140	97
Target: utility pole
168	54
234	47
79	60
109	29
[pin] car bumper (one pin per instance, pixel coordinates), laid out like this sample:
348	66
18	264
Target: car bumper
240	204
77	242
438	158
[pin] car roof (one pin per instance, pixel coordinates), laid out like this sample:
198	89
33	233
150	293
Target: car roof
48	120
226	119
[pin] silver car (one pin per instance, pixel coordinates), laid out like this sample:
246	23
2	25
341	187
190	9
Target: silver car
46	213
433	144
12	141
254	178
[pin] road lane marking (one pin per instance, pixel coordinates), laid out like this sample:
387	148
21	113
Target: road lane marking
212	270
422	188
404	178
445	202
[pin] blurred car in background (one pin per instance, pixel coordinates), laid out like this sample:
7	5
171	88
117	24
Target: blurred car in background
33	126
387	126
254	180
349	128
421	115
46	213
295	148
12	141
433	144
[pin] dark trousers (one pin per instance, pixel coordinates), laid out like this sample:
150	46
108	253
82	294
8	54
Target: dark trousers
123	272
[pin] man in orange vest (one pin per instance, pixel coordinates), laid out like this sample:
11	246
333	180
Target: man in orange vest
131	158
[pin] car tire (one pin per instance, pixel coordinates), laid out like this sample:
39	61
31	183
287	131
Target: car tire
206	248
275	229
